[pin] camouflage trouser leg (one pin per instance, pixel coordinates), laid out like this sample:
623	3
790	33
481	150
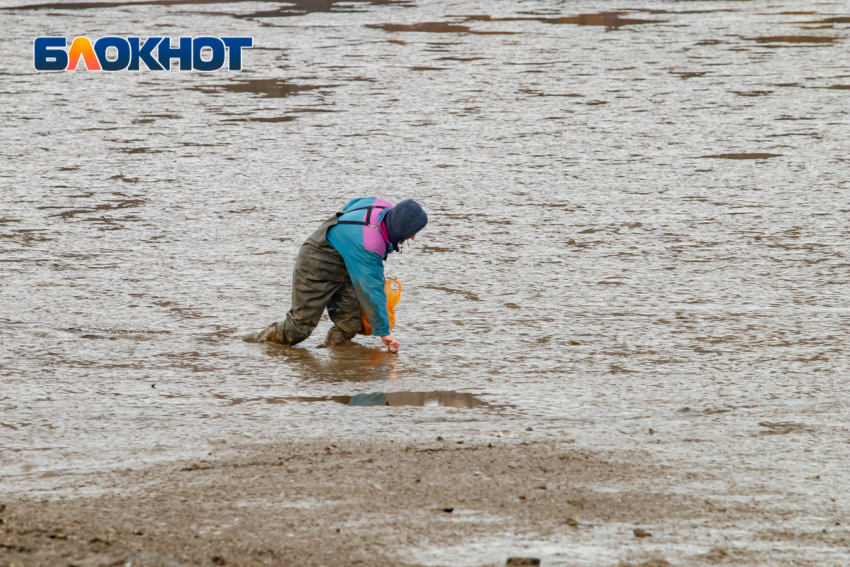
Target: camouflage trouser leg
344	310
320	280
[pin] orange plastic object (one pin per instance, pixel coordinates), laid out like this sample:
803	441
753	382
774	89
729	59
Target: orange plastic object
393	297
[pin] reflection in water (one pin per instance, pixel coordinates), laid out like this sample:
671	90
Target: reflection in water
418	399
353	362
433	399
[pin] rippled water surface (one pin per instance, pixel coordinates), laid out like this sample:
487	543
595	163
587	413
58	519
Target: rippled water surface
638	219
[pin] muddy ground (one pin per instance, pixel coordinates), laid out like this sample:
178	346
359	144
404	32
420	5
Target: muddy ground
637	246
333	502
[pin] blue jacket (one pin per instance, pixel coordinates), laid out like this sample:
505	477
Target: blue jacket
364	247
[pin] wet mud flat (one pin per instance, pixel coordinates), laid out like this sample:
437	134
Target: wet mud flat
446	501
638	242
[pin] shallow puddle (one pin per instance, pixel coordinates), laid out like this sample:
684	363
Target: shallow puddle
419	399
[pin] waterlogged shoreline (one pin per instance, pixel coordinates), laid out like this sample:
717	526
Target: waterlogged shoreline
452	501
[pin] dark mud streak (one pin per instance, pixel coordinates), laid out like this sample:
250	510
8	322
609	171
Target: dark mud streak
797	39
268	88
743	156
689	74
752	93
71	213
430	27
836	20
138	150
303	7
468	294
300	7
90	5
272	120
538	93
610	20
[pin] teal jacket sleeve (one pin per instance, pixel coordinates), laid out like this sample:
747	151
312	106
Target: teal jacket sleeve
366	270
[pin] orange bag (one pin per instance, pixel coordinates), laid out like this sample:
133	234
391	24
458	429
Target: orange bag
393	297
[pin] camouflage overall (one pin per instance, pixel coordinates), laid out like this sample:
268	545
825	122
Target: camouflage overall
319	280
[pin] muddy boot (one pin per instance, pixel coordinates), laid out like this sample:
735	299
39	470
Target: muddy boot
335	338
271	334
